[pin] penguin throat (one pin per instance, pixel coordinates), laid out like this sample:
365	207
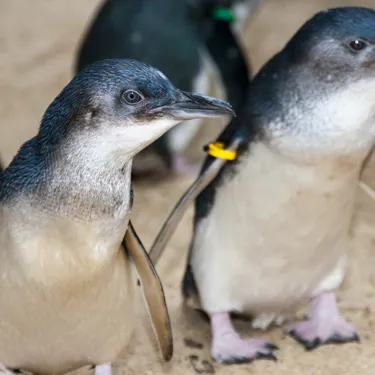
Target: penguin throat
70	188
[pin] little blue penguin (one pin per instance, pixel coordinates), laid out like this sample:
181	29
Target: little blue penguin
271	230
178	38
68	251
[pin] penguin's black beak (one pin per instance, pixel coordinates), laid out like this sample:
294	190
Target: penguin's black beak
188	106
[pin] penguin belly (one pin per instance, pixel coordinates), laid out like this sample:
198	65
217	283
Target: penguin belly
275	236
64	310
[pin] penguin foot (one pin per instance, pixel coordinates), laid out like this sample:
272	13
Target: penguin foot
181	167
105	369
323	325
229	348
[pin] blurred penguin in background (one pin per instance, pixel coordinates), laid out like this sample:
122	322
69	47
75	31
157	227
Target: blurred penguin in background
192	41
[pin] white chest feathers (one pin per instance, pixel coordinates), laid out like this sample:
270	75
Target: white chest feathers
75	282
276	234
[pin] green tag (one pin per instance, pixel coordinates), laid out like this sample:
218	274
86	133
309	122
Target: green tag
224	14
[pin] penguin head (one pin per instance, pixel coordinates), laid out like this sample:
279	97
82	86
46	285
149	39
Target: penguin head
339	37
322	84
118	107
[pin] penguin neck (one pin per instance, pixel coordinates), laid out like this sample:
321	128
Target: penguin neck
72	181
326	123
89	184
70	213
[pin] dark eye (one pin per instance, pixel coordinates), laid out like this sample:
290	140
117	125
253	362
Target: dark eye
357	45
132	97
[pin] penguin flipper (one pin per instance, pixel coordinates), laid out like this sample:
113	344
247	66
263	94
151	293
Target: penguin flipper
152	291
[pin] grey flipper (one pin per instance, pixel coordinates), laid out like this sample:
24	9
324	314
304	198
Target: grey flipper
152	291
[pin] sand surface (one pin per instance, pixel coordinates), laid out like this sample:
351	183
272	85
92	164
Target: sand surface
38	40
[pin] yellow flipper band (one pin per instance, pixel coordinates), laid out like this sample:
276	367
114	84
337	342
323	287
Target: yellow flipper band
217	150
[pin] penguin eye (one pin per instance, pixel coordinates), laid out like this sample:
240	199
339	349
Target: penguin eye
357	45
132	97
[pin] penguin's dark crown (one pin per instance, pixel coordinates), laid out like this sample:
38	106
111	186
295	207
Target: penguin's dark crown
334	47
338	24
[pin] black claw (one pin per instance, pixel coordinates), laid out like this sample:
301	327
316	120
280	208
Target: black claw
269	356
334	339
271	346
311	345
241	360
337	339
235	360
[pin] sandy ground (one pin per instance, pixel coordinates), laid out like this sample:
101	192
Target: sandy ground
37	43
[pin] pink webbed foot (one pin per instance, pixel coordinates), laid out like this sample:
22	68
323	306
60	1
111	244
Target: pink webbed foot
228	347
323	325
